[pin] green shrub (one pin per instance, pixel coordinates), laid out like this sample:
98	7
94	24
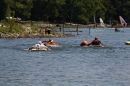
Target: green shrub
115	22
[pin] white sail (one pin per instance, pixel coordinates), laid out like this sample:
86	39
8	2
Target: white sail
101	22
123	23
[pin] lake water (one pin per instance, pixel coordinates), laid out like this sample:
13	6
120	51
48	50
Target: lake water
70	64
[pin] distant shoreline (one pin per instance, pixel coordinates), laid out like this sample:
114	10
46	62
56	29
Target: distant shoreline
38	30
16	35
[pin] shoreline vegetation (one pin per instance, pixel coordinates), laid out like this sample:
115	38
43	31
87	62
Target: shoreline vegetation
30	30
37	30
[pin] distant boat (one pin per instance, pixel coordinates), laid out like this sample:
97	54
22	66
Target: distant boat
127	42
123	23
101	22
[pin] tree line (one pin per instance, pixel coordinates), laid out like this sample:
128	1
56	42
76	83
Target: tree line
78	11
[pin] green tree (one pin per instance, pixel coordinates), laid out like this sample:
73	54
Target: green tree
44	9
21	8
2	9
80	11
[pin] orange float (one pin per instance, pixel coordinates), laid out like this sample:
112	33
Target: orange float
84	43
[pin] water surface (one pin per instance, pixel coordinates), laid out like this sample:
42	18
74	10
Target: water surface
70	64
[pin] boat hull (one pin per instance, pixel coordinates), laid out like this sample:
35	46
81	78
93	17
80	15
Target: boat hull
96	46
49	45
127	42
41	48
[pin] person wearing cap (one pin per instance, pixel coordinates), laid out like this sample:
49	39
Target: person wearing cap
40	44
95	42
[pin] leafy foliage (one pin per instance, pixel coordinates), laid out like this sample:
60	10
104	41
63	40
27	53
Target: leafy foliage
80	11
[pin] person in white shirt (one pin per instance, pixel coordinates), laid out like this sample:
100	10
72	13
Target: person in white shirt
41	46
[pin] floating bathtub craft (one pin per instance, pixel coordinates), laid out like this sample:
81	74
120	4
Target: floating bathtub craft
38	48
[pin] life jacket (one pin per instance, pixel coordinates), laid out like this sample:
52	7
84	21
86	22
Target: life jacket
95	42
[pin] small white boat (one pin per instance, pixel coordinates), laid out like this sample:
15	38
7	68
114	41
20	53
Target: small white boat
127	42
101	22
122	21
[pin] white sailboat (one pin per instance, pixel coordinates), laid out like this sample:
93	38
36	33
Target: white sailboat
123	23
101	22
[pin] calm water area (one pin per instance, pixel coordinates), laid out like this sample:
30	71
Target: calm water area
69	64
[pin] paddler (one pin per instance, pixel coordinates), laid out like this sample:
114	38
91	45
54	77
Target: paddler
95	42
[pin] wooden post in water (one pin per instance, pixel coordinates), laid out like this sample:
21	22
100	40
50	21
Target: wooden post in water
77	30
63	23
89	30
63	27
